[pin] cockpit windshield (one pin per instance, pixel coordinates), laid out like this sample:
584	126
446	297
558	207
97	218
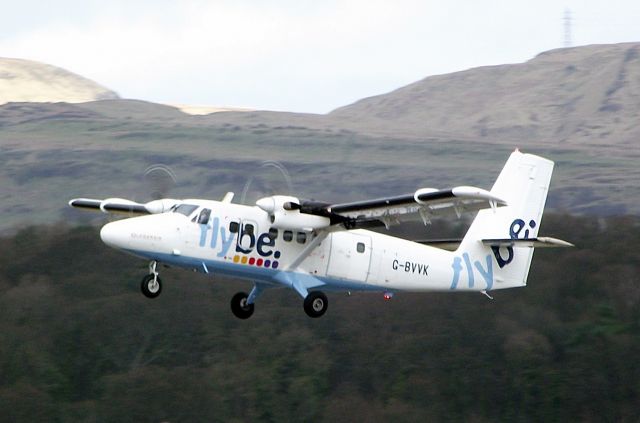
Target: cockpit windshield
185	209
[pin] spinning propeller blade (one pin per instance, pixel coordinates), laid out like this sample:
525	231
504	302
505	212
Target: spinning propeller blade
270	178
159	179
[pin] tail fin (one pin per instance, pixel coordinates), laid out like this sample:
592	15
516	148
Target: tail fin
523	184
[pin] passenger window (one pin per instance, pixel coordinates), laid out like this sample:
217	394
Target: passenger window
233	227
301	237
287	236
360	247
248	229
273	233
205	214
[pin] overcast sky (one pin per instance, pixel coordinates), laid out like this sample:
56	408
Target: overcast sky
296	55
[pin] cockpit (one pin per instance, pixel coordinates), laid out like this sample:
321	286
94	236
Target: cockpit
188	210
185	209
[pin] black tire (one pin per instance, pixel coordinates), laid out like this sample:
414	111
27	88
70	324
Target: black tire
316	303
239	306
149	288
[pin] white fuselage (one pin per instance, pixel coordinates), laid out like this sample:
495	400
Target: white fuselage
236	241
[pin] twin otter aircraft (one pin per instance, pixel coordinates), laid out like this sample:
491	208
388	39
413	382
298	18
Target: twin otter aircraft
310	246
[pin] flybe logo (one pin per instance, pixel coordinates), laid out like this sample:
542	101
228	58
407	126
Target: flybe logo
485	273
483	269
218	237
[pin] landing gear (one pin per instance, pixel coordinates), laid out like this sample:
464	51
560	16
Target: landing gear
239	306
151	285
315	304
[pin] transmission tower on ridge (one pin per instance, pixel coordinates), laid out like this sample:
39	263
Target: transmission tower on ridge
567	27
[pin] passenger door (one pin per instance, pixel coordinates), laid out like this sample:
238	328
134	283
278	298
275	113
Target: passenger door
350	256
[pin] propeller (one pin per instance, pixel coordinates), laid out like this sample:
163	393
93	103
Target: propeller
159	179
270	178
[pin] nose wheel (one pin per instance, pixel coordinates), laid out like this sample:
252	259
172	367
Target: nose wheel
151	285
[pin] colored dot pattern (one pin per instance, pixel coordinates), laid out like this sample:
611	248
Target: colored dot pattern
252	261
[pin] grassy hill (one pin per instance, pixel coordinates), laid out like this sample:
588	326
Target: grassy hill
423	135
58	152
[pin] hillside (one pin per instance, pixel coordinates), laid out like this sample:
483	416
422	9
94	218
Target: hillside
51	152
584	95
29	81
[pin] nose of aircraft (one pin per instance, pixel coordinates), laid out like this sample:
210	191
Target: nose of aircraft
114	234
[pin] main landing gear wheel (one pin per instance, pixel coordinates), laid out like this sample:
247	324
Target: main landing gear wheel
315	304
239	306
151	286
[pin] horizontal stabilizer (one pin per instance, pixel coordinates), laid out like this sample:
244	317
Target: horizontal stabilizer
540	242
544	242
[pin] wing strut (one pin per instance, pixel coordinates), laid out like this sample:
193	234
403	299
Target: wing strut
307	250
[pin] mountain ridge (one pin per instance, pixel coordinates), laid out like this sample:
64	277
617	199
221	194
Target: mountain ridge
579	94
30	81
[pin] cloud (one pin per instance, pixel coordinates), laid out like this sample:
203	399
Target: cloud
279	54
219	45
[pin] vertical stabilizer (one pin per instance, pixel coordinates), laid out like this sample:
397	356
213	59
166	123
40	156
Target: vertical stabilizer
523	184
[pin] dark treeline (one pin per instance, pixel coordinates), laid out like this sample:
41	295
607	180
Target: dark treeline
78	342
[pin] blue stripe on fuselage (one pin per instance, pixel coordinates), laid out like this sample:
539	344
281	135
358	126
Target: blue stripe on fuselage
252	273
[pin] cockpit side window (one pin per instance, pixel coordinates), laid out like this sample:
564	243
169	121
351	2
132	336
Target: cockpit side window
204	216
185	209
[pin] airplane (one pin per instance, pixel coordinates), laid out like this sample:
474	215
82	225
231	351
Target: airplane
312	247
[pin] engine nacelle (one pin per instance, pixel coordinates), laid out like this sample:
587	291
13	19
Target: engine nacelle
298	221
276	203
284	212
160	206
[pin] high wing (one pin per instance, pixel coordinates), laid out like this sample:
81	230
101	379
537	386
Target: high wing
121	205
291	213
424	204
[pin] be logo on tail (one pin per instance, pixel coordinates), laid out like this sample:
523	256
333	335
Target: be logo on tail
517	226
485	270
